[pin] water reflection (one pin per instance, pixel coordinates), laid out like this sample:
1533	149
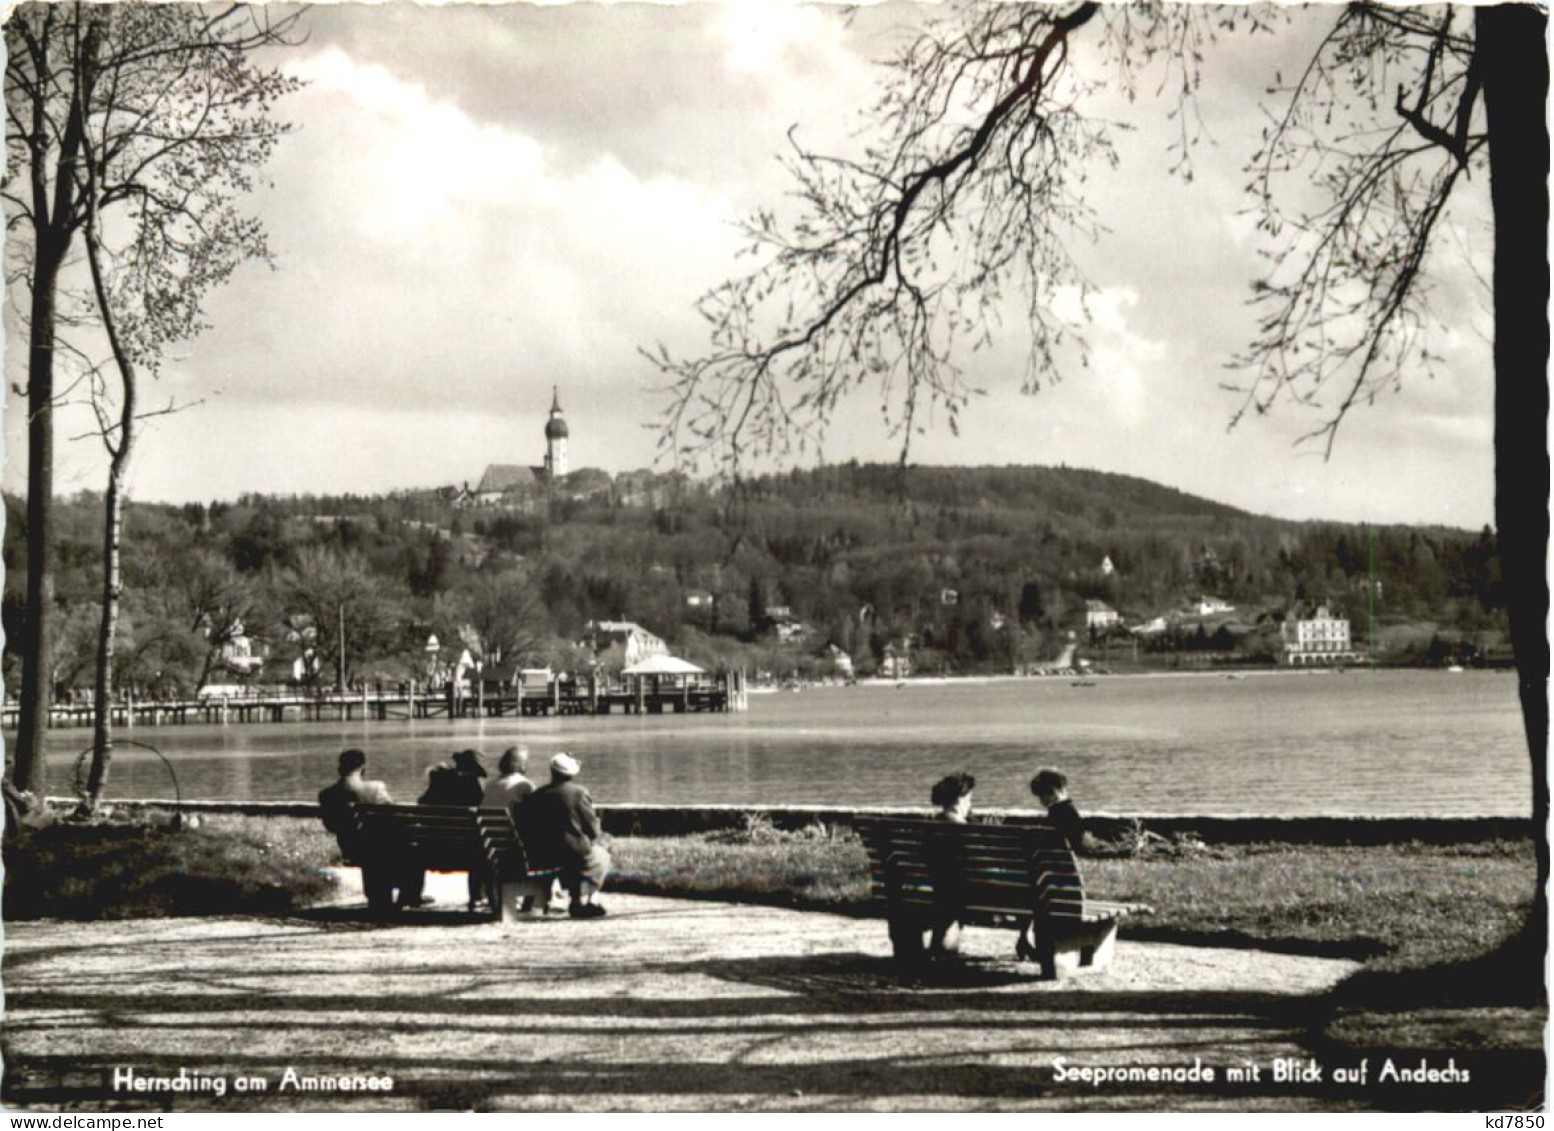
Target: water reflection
1297	743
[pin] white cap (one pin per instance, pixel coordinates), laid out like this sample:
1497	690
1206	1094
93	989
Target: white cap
565	764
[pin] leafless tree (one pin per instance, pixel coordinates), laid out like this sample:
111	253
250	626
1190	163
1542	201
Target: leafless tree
219	606
508	614
355	614
134	128
972	190
974	187
1343	303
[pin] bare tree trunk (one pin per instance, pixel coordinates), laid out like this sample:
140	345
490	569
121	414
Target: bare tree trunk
120	442
52	225
27	768
205	670
1511	52
113	589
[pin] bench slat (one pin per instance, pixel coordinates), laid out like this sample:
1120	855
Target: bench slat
995	902
912	827
971	834
989	848
1017	865
444	837
1005	874
466	827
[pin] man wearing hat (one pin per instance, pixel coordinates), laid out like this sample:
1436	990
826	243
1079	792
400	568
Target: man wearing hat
561	831
335	803
456	781
506	791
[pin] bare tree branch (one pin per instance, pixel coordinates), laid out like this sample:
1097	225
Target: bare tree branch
1344	304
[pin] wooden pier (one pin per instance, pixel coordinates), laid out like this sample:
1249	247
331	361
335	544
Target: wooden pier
485	699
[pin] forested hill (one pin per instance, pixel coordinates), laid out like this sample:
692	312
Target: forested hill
978	566
995	534
1104	496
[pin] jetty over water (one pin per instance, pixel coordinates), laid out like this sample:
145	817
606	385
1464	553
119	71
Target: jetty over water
590	694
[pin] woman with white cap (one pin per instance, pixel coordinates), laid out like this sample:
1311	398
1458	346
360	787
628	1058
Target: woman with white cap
560	830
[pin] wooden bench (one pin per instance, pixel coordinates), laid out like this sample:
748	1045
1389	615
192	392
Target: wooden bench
393	839
928	872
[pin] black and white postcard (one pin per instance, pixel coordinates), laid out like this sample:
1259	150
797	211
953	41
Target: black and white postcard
759	556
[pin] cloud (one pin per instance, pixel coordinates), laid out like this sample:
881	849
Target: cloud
427	255
1124	365
483	201
760	34
424	160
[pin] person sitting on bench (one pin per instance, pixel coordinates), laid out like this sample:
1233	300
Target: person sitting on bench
1051	789
335	803
508	790
456	781
560	830
953	797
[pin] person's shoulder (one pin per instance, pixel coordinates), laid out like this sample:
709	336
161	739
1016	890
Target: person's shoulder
376	793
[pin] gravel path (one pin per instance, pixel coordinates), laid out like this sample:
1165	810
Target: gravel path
666	1004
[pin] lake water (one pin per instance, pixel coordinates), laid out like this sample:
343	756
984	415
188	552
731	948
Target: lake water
1296	743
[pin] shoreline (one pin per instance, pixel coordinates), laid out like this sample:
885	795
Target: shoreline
655	820
749	938
1229	672
1387	734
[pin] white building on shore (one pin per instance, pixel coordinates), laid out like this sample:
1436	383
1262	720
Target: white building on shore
1316	636
636	643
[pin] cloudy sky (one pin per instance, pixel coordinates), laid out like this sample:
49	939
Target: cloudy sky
479	203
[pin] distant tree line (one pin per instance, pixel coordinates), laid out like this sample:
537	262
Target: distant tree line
973	568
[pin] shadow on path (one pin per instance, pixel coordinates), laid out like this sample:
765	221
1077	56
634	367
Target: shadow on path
838	1024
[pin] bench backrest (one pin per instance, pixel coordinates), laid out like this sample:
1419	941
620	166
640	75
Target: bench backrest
442	837
990	869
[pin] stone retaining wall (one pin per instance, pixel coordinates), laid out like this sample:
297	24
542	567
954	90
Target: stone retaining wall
670	820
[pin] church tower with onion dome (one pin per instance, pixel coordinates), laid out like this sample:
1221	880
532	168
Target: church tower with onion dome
555	439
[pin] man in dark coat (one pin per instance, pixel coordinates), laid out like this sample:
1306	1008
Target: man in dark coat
335	802
560	830
1051	789
456	782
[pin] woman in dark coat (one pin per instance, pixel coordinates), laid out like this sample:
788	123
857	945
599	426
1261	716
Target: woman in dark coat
456	782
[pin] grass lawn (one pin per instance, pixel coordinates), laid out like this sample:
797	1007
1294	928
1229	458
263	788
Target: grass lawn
110	869
1445	973
1429	921
1399	906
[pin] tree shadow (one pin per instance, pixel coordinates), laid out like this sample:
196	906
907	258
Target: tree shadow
842	997
360	917
1359	949
1512	974
1486	1014
739	1045
785	899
